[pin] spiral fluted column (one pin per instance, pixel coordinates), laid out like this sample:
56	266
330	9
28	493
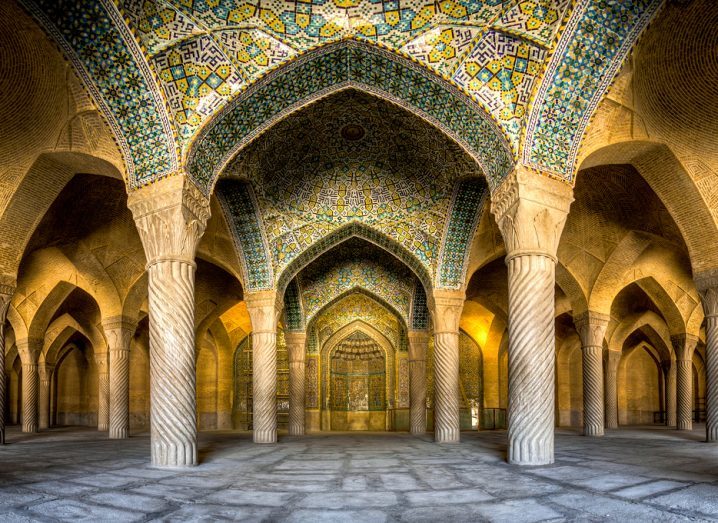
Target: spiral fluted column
103	391
611	386
669	371
531	210
44	381
531	359
418	345
684	345
29	397
171	216
591	328
296	342
264	309
707	284
29	350
119	332
446	313
6	292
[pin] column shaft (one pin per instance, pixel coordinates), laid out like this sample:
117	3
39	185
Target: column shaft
684	382
593	417
45	379
611	385
418	345
670	373
29	397
446	387
5	296
264	386
103	392
531	359
119	393
172	363
712	378
296	348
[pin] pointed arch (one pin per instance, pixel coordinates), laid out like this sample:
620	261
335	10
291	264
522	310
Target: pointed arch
335	67
357	290
344	233
91	34
669	179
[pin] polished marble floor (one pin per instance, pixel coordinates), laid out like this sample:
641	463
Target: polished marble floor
641	474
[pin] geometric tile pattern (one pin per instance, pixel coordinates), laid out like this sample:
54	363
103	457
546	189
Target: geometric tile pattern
349	63
593	46
197	78
293	316
419	309
345	269
534	20
213	63
95	39
393	182
240	209
466	207
500	73
443	48
350	231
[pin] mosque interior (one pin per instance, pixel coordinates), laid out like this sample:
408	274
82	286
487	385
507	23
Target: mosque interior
458	229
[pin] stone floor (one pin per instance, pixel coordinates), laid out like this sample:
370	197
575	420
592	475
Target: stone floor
629	475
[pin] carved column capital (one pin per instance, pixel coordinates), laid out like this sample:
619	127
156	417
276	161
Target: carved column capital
446	308
531	210
296	345
707	285
264	308
6	293
684	344
29	349
591	327
45	371
418	342
171	216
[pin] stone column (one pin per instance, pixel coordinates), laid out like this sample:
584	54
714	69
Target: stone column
171	216
264	309
29	350
5	296
669	371
45	380
611	386
103	391
118	332
707	284
591	328
296	349
684	345
531	211
418	346
446	307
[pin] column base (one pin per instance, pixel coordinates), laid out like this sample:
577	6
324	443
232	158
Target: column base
447	436
417	431
531	455
265	436
296	431
594	432
119	433
711	434
103	428
174	456
32	428
685	425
